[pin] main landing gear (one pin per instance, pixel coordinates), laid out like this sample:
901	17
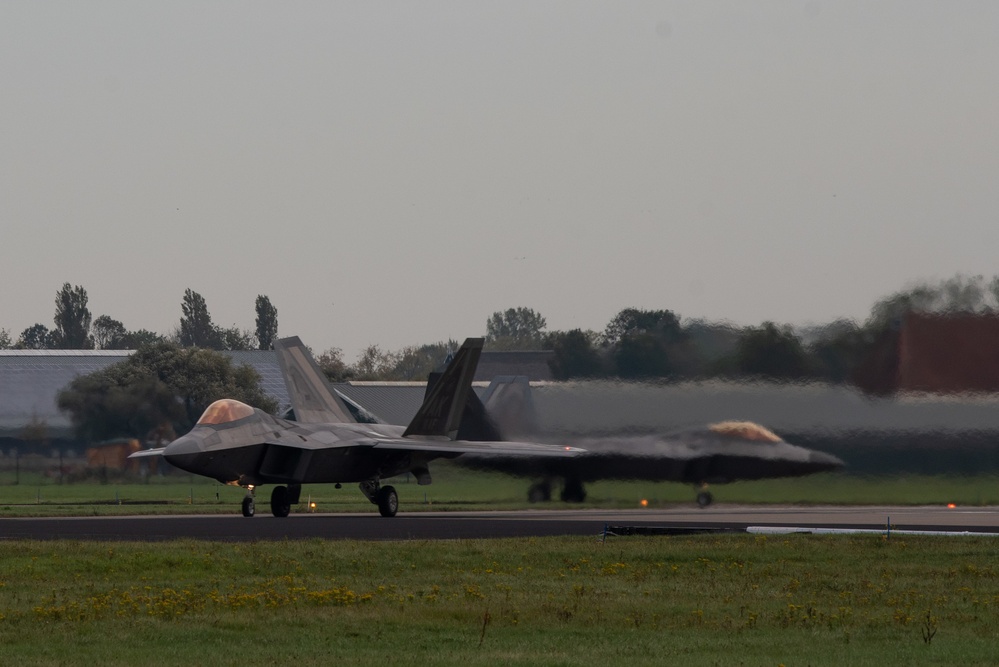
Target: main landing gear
573	491
540	492
704	497
282	498
384	496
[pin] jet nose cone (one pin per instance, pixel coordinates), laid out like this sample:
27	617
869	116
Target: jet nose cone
823	461
182	449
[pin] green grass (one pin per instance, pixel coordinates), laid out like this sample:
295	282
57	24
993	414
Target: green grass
455	488
721	600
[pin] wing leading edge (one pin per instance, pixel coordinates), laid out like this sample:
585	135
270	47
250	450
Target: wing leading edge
504	448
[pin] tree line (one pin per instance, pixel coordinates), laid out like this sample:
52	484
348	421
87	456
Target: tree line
165	386
642	344
635	344
74	329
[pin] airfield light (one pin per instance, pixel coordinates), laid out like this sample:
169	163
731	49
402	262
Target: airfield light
312	506
951	506
644	503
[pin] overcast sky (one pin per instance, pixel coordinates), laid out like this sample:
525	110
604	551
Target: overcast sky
393	173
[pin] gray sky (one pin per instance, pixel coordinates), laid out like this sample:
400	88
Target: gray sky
393	173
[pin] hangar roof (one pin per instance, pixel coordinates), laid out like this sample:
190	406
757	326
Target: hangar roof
30	380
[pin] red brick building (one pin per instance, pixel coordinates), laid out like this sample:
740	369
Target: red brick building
944	354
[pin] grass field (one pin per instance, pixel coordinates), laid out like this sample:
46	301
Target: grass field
721	600
456	488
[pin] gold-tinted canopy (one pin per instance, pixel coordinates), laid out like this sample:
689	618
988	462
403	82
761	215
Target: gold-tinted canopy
745	431
225	411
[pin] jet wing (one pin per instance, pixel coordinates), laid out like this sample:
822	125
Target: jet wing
498	448
143	453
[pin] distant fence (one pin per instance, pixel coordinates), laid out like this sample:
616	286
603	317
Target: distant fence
70	466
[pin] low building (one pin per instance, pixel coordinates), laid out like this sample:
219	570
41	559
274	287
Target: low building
937	354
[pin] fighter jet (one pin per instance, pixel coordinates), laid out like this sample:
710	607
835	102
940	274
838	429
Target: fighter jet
712	454
241	445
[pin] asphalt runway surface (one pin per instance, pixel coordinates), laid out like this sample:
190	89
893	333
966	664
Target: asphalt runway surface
527	523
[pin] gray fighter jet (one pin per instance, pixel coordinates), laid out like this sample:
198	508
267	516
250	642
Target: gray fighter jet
713	454
241	445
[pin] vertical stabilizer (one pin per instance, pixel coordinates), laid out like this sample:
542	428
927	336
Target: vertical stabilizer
444	405
312	399
476	425
510	406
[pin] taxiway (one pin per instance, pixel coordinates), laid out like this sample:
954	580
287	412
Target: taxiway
499	524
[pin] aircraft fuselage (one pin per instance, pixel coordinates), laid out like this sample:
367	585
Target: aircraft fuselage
261	449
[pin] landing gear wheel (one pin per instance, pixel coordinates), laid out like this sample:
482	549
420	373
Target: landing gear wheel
704	498
280	501
573	491
388	501
248	508
540	492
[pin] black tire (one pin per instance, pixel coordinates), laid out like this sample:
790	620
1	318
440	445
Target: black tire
248	508
388	501
704	498
573	491
540	492
280	502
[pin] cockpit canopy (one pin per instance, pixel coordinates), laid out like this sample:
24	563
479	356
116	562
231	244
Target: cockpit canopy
745	431
225	411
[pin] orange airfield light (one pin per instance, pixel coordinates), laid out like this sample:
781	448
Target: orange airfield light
951	506
644	503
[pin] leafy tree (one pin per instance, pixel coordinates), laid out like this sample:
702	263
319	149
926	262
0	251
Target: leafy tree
72	319
839	350
35	337
662	324
36	432
5	342
773	352
515	329
161	388
575	355
108	333
333	366
235	339
118	401
267	323
642	355
133	340
373	364
416	362
712	347
196	327
958	294
645	343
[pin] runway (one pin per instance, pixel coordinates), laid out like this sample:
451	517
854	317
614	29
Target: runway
500	524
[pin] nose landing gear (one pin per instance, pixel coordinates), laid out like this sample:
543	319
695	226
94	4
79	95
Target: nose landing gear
248	505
